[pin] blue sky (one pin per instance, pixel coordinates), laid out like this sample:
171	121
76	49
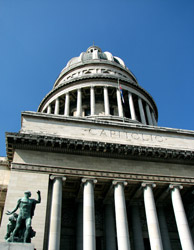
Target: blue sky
155	38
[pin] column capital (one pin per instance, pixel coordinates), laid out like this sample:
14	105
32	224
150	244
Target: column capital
115	182
151	184
54	176
172	186
84	180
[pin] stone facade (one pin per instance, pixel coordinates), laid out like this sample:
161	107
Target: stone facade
109	177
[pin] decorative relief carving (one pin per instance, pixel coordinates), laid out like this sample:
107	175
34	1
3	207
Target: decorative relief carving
94	71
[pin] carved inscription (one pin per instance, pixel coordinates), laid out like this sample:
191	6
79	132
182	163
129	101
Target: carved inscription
128	136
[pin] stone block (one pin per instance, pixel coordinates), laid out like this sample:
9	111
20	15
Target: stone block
16	246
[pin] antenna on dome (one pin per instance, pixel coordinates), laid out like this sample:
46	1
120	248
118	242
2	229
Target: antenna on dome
93	43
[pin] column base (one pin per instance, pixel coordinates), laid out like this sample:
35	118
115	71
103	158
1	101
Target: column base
16	246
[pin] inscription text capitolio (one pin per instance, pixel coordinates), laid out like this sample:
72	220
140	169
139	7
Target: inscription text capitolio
128	136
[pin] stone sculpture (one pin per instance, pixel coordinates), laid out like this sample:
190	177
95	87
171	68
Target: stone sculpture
19	227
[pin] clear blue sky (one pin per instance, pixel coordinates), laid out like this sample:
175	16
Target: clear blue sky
155	38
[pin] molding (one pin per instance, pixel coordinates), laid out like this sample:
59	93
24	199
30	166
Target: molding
114	176
92	148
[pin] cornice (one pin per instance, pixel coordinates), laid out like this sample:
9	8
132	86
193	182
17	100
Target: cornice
93	148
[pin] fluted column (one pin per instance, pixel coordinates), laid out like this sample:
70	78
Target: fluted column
119	103
106	102
57	106
121	216
79	103
181	219
131	106
141	111
148	115
67	104
136	227
89	235
79	226
49	109
92	101
163	228
110	234
154	119
151	217
55	216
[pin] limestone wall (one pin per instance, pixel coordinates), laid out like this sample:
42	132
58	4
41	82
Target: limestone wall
19	183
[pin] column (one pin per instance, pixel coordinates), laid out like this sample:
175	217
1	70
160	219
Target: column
55	216
136	227
151	217
57	106
106	102
148	115
163	228
121	216
89	235
49	109
79	226
110	234
154	119
180	217
131	106
67	104
79	103
92	101
119	103
141	111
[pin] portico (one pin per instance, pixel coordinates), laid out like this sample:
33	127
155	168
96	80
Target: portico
120	218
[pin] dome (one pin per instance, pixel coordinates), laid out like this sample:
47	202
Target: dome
94	55
97	85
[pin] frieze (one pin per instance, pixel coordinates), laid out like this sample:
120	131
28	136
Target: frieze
103	175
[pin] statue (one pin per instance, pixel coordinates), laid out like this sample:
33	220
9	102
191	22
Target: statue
11	225
22	231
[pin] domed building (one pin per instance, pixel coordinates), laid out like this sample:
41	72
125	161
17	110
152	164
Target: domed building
90	86
110	177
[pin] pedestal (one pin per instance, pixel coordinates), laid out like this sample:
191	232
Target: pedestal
16	246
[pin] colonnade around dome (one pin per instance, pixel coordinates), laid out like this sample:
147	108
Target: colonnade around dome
102	102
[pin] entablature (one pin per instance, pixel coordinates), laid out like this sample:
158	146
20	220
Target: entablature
94	148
